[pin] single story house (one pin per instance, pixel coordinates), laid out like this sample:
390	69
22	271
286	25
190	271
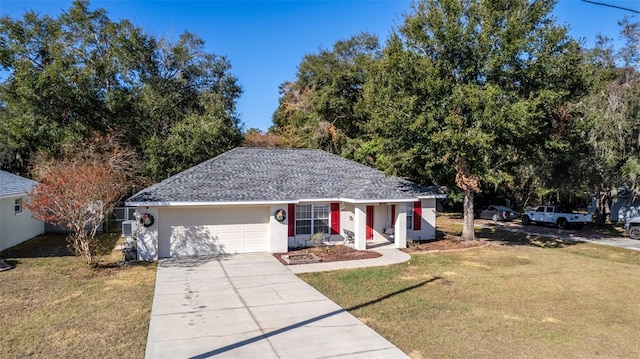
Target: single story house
16	223
271	199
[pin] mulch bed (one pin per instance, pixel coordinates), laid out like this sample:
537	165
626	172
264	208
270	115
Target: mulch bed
446	244
344	253
333	253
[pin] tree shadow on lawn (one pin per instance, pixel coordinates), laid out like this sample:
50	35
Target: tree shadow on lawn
518	238
43	245
52	245
56	245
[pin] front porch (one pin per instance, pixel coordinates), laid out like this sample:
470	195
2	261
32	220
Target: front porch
363	225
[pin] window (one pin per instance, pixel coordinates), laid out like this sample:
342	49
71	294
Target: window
409	215
312	218
17	207
131	213
124	213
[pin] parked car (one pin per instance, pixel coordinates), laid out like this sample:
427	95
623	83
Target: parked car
557	215
496	213
632	226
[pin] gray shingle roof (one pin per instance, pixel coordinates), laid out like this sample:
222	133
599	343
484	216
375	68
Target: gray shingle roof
274	174
11	184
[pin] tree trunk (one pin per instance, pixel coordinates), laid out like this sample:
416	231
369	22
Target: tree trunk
468	231
602	209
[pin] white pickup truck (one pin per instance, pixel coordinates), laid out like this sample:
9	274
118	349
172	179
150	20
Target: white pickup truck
556	215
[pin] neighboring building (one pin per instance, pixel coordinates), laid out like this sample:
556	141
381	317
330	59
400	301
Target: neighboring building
270	200
623	208
16	224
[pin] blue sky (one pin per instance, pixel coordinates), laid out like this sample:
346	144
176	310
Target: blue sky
266	40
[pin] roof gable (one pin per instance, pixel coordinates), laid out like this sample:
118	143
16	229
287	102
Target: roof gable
279	175
11	184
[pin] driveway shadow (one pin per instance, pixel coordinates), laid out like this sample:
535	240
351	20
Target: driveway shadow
308	321
189	262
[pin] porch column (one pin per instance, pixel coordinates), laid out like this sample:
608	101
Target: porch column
400	228
360	226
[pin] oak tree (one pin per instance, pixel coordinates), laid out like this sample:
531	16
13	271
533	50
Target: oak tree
81	72
467	89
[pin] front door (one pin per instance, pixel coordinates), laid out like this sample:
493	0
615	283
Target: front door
369	233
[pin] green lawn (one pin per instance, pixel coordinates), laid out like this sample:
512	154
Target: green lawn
55	306
533	298
530	299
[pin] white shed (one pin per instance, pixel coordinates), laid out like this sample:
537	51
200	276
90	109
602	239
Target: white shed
16	223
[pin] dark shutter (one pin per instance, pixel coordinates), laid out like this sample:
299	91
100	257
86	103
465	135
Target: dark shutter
393	215
369	232
292	220
335	218
417	216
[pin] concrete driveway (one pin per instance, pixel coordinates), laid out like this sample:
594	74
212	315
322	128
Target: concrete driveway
251	306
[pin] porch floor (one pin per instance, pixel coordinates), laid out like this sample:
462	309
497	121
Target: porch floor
378	243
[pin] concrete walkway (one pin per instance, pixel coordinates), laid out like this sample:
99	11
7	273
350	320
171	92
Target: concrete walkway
251	306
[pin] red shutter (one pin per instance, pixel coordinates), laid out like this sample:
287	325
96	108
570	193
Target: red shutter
369	231
292	220
393	215
417	216
335	218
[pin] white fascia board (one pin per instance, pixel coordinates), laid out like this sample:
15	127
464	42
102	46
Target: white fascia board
377	201
202	204
14	195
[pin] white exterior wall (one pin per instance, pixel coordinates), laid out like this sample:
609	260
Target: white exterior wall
381	220
278	231
147	238
360	226
400	228
17	228
352	217
428	224
346	218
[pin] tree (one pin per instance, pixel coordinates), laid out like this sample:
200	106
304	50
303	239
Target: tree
68	77
607	129
188	107
321	108
479	87
256	138
77	192
81	72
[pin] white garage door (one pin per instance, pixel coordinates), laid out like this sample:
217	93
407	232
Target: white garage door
205	231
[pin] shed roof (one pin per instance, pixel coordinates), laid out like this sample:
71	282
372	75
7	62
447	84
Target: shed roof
14	185
257	175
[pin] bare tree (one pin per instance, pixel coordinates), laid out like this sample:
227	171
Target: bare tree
76	192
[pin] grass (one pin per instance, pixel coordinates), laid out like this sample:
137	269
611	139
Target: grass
54	305
531	298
